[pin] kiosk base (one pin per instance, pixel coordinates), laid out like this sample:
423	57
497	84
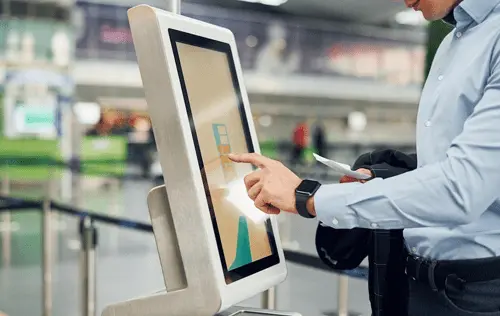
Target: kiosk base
340	314
185	292
243	311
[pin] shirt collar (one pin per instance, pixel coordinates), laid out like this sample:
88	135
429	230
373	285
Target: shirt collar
450	19
478	10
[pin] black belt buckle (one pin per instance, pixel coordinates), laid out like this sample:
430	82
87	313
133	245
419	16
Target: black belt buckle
415	263
428	273
431	270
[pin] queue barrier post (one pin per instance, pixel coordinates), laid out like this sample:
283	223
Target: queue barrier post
88	241
270	299
343	298
47	255
6	223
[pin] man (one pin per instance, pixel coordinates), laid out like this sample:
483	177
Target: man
450	205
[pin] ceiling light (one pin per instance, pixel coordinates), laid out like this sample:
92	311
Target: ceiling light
357	121
265	121
410	17
267	2
87	113
251	41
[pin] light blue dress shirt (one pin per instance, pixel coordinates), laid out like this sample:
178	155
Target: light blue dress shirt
450	205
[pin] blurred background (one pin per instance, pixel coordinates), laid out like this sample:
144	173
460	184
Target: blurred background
335	77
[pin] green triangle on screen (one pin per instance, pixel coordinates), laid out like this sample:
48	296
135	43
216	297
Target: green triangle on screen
243	250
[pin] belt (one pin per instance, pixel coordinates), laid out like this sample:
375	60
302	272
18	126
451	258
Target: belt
435	273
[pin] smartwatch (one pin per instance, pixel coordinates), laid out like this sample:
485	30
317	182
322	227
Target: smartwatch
303	193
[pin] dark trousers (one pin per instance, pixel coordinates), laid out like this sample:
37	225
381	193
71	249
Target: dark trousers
457	299
296	157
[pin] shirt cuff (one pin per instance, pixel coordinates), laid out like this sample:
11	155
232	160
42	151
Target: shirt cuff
330	203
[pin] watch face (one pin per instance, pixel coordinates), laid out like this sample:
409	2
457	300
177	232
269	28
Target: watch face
308	187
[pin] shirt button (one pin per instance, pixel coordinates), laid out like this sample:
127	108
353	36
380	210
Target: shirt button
459	34
374	225
441	77
335	221
428	124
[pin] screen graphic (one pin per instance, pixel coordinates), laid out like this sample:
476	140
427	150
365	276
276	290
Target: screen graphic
243	254
224	148
219	127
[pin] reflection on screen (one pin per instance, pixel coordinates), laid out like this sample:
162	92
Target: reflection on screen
217	119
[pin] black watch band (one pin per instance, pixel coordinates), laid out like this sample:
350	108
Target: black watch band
303	193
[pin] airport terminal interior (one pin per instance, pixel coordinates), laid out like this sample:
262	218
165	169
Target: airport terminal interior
78	155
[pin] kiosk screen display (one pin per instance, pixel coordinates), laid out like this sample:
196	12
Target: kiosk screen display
219	126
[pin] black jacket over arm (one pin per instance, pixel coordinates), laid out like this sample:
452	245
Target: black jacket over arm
345	249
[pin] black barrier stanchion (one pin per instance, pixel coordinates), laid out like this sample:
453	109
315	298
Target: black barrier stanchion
88	240
75	165
122	222
315	262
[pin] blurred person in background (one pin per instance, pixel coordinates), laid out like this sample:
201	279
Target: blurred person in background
103	127
449	206
300	141
145	146
272	58
319	139
121	124
110	123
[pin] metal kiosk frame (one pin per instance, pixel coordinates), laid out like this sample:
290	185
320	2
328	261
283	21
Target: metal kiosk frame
186	292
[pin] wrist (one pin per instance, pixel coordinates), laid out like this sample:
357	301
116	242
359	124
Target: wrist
304	198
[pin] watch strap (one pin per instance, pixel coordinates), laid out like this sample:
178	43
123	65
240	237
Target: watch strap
301	205
303	193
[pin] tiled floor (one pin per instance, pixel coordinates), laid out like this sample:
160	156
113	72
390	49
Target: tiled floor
128	265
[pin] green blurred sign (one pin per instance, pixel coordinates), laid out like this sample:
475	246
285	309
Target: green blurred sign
36	119
269	149
29	159
104	155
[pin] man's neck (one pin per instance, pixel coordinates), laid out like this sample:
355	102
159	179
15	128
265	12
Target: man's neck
450	18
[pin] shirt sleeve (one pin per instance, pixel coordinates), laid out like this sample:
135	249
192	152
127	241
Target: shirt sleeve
452	192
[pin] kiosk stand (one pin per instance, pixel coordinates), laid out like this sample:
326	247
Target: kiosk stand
215	250
185	294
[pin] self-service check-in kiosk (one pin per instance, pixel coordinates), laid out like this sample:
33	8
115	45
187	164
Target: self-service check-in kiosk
216	249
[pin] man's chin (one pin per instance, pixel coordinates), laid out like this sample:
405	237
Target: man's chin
432	17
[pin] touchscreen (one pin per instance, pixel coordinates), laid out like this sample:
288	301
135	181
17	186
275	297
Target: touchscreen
244	233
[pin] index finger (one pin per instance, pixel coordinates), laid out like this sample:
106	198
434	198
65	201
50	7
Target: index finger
253	158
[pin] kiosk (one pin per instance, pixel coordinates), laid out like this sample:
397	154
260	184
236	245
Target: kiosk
216	248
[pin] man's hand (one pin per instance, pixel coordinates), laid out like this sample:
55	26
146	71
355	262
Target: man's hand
346	179
272	187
